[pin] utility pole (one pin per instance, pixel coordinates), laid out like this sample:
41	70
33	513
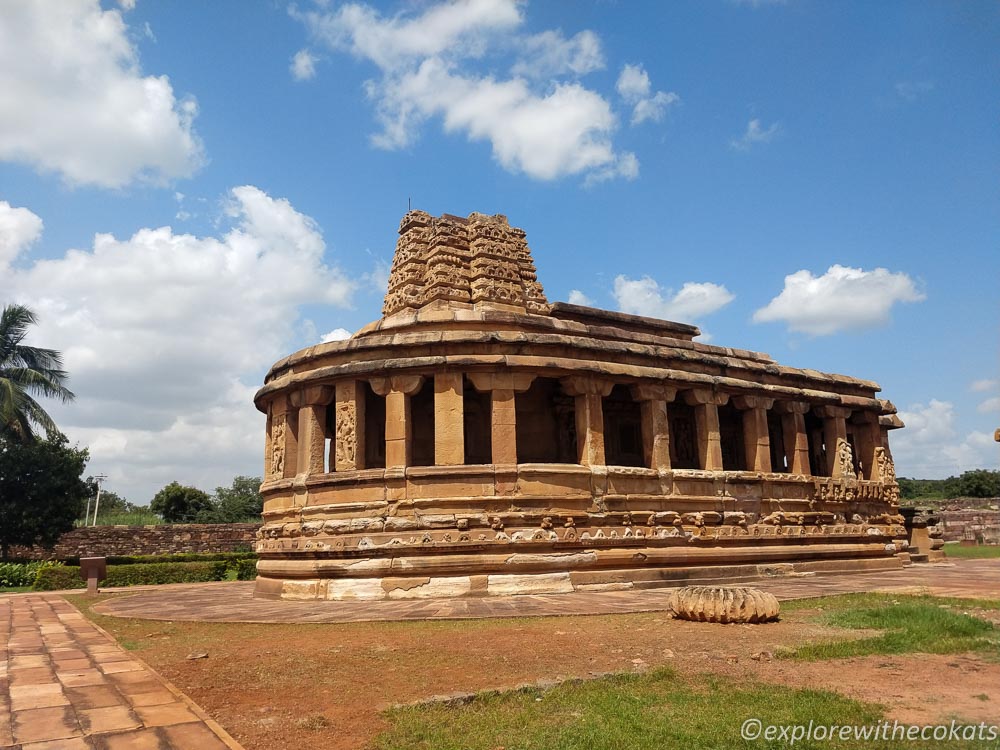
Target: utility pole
97	503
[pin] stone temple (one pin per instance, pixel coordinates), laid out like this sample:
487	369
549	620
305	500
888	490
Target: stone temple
480	440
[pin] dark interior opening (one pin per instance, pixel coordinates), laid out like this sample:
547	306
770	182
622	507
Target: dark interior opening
683	436
477	409
622	429
422	433
546	424
731	436
374	429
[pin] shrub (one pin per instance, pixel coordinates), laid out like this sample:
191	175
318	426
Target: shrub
14	575
58	576
145	574
246	569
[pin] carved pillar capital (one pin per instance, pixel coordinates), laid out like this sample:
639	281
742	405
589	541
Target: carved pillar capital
406	384
829	411
653	392
752	402
518	382
583	385
314	395
702	396
792	407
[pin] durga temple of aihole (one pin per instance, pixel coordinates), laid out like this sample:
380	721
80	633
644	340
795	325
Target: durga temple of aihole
480	440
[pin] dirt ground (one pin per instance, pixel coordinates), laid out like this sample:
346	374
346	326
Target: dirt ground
309	685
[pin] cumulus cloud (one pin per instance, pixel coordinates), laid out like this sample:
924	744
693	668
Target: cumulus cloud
337	334
754	134
842	299
634	87
576	297
930	447
990	404
166	336
986	384
75	102
535	122
693	301
303	66
19	229
551	54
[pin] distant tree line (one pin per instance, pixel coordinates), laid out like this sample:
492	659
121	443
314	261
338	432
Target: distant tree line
977	483
241	501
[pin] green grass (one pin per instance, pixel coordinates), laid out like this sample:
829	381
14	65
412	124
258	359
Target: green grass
661	709
909	624
132	518
972	553
14	589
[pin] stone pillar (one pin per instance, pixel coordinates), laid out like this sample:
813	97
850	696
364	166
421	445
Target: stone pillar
347	451
756	440
311	403
706	403
398	424
834	430
449	421
588	393
653	400
867	437
793	431
284	438
503	415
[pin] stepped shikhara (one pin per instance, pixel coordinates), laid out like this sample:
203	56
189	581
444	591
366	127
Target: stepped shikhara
479	440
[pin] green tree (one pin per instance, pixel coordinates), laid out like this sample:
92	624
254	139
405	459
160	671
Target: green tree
26	372
979	483
179	504
239	501
42	491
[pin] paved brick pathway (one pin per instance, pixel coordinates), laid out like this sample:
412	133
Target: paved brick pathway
234	602
66	685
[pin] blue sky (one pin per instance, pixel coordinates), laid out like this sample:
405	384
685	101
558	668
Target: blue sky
189	191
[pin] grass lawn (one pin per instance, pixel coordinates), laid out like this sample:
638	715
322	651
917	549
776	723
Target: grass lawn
660	709
909	624
972	553
14	589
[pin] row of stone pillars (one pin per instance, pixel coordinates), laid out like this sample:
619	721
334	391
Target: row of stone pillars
298	426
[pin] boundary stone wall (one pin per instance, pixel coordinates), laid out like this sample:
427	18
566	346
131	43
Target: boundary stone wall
959	525
164	539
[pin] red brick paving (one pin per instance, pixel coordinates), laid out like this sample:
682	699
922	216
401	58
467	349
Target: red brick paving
66	685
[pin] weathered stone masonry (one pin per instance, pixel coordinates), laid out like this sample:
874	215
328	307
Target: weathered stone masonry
164	539
479	440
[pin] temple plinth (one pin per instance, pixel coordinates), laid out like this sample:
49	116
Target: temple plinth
479	440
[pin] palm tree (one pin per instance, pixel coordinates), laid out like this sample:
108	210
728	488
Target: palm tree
26	371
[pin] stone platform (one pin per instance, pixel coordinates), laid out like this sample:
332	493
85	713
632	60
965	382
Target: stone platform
234	602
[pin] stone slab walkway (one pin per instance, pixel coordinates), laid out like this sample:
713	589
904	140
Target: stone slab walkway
66	685
234	602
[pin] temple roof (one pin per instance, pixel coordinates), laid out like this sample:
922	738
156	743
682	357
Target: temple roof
480	261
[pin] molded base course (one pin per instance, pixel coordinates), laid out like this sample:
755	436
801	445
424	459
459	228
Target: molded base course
348	589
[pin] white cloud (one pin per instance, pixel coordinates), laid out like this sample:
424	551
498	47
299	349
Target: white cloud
841	299
167	335
986	384
990	404
930	447
634	87
693	301
126	4
337	334
754	134
303	65
551	54
535	123
75	102
19	229
460	28
576	297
